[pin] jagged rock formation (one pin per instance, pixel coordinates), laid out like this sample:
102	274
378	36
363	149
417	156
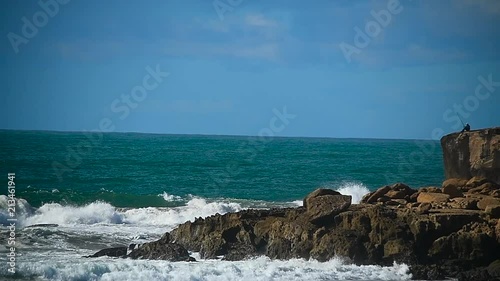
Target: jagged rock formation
450	237
472	154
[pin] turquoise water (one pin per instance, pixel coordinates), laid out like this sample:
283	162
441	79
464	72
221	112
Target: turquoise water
131	170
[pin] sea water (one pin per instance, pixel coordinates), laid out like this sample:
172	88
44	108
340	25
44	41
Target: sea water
107	190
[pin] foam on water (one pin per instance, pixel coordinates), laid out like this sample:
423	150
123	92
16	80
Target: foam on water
261	268
170	197
102	213
356	190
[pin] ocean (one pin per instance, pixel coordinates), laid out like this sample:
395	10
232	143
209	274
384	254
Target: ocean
113	189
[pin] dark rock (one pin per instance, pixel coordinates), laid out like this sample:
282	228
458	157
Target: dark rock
452	191
160	251
493	211
42	225
324	208
318	193
111	252
494	269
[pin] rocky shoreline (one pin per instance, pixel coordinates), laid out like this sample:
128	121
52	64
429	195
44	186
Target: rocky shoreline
440	232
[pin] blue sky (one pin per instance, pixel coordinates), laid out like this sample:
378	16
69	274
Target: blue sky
232	63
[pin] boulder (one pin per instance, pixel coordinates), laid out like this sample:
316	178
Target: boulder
396	194
431	197
454	182
472	154
111	252
493	211
494	269
487	201
326	207
373	196
317	193
395	191
161	251
485	188
476	181
464	203
452	190
433	189
424	208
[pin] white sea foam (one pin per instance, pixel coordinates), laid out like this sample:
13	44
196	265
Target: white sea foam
261	268
170	197
22	209
104	213
356	190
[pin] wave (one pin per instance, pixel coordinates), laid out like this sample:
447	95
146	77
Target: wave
169	197
104	213
261	268
356	190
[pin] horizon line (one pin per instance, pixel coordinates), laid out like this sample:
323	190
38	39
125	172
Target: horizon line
219	135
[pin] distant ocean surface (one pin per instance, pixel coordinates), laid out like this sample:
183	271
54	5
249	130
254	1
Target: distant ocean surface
113	189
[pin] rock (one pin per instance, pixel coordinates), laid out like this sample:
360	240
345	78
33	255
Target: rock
494	269
110	252
395	191
476	181
442	242
493	211
433	189
464	203
454	182
452	190
485	188
396	194
472	154
317	193
485	202
372	197
325	208
431	197
161	251
424	208
495	193
396	202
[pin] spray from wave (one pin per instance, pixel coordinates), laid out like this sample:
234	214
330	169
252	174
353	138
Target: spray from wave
99	213
356	190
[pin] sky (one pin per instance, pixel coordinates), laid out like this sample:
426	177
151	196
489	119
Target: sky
345	69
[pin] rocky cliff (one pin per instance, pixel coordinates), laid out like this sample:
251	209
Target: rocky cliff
470	154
